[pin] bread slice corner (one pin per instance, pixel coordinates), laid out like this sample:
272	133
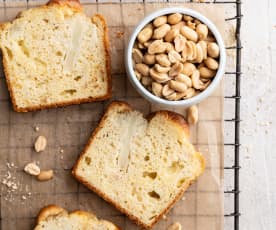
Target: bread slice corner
53	217
55	55
140	165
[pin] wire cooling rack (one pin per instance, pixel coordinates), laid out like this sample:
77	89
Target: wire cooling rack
232	191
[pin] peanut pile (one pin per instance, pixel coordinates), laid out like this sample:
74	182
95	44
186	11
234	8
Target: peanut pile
175	56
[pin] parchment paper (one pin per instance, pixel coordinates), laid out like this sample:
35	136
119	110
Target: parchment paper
68	129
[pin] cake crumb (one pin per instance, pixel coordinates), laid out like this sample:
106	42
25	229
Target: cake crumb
23	197
36	128
164	217
61	150
183	198
119	34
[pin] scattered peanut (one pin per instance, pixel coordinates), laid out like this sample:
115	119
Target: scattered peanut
32	169
45	175
175	226
192	115
175	56
40	144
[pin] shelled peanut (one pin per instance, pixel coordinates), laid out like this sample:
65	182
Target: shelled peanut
175	56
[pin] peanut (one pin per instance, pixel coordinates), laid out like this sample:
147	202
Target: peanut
188	68
175	226
157	89
149	59
137	55
213	50
206	73
32	169
157	46
171	35
190	93
138	75
146	81
178	86
197	83
203	45
189	33
174	18
159	21
176	69
45	175
192	114
202	31
161	69
163	60
179	43
169	46
161	31
40	144
190	50
187	18
178	26
174	56
145	34
191	24
142	69
166	91
185	79
199	54
159	77
211	63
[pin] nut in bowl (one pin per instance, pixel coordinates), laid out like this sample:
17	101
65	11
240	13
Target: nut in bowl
175	57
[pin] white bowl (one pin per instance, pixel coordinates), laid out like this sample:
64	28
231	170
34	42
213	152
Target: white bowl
181	103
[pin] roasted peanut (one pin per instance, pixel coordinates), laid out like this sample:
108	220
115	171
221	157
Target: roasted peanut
172	97
147	44
202	31
190	51
142	69
166	91
211	63
178	26
174	18
191	24
178	86
161	69
138	75
213	50
179	43
187	18
149	59
157	89
203	45
171	35
145	34
169	46
176	69
32	169
197	83
159	21
137	55
163	60
199	54
40	144
206	73
184	78
156	47
190	93
188	68
192	114
197	22
189	33
159	77
174	56
45	175
175	226
161	31
146	81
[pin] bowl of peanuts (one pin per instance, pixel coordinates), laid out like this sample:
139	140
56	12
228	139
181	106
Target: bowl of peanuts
175	57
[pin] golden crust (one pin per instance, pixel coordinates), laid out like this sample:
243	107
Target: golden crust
54	210
178	120
75	4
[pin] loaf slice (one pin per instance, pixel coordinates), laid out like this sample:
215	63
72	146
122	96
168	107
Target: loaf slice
141	166
55	55
54	217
